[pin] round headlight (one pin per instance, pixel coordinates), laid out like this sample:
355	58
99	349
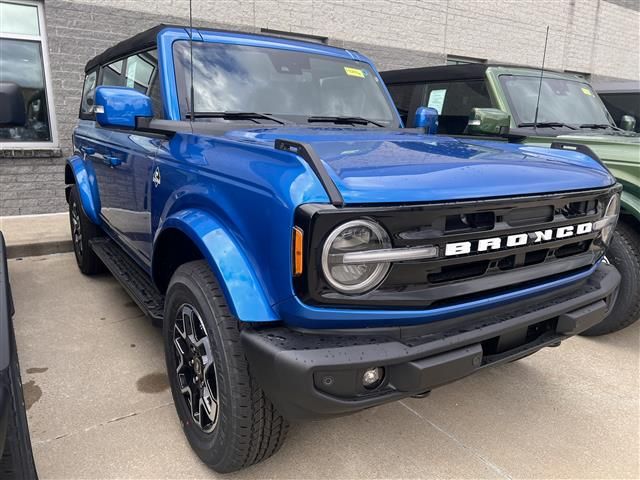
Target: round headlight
354	236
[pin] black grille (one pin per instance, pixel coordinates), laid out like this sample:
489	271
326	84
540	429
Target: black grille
419	284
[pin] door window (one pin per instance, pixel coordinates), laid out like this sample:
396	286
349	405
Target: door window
140	72
88	92
406	97
454	101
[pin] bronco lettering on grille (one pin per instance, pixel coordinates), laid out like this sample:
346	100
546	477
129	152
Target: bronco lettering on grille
519	239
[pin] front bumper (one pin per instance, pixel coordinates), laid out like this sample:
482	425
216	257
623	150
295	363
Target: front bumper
311	374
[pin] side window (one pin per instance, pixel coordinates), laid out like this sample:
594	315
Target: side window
88	92
454	101
140	72
406	97
112	74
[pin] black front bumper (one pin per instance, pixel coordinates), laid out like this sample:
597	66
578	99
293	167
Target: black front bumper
311	374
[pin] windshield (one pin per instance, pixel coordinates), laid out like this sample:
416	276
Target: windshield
285	84
562	101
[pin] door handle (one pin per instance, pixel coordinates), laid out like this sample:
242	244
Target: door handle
111	161
88	150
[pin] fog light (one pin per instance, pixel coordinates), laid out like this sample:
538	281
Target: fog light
372	377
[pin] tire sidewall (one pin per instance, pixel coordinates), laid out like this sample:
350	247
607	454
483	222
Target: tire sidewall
624	254
209	446
75	200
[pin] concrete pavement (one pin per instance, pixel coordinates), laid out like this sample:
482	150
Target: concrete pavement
30	235
99	404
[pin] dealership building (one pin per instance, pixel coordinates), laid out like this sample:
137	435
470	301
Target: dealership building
44	46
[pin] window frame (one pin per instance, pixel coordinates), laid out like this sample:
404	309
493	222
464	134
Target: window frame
48	86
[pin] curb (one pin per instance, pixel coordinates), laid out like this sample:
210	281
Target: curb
21	250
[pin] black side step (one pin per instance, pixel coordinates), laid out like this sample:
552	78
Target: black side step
132	278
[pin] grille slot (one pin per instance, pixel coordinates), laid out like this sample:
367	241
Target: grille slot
459	272
530	216
573	249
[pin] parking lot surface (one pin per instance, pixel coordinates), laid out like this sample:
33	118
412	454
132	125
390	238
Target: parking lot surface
99	404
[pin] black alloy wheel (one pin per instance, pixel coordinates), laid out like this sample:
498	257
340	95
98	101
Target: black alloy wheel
195	371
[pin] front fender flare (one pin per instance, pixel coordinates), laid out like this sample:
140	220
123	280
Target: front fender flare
85	181
242	289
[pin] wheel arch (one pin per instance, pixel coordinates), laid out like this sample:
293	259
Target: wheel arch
194	234
77	173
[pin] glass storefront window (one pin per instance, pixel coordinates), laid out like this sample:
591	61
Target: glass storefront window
23	61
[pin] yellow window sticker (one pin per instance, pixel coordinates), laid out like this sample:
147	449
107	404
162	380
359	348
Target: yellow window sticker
586	91
354	72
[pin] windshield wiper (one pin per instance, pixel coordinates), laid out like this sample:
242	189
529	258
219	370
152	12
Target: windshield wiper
344	120
237	116
546	124
597	125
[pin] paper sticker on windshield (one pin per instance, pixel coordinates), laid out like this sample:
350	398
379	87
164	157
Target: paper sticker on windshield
354	72
436	99
586	91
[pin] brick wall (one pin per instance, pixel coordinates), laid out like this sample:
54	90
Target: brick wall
595	36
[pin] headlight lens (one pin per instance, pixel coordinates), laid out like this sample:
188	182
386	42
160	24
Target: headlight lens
607	223
354	236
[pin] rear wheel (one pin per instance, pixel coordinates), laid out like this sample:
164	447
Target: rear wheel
624	254
226	417
83	231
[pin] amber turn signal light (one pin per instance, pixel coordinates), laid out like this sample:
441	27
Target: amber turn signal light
297	252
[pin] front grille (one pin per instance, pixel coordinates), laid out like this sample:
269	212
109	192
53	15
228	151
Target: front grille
420	284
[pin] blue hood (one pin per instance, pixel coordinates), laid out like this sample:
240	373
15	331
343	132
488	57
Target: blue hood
390	166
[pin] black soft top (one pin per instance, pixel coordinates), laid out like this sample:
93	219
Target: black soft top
149	38
142	41
443	72
617	86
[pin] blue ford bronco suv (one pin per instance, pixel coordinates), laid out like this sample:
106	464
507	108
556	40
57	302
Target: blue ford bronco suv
305	255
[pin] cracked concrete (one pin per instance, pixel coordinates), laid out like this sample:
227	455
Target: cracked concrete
105	411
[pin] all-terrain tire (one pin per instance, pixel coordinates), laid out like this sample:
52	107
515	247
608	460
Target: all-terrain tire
624	254
248	428
83	231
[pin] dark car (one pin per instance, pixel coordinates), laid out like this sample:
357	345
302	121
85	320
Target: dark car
16	460
622	99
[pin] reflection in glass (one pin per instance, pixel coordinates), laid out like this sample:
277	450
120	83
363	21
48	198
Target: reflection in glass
561	100
21	63
294	85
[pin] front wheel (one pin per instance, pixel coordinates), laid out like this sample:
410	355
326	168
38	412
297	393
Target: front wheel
226	417
82	232
624	254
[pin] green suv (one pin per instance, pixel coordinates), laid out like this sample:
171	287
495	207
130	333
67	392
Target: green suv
518	104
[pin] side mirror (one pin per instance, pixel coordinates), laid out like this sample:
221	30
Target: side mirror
120	106
488	121
13	112
628	123
427	118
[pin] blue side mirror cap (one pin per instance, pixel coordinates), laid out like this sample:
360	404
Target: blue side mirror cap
120	106
427	118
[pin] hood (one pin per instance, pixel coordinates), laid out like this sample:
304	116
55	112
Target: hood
396	166
627	138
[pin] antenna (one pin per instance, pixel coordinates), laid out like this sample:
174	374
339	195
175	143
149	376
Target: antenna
544	56
191	93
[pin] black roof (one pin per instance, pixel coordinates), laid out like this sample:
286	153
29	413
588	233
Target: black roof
148	39
142	41
617	86
441	72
